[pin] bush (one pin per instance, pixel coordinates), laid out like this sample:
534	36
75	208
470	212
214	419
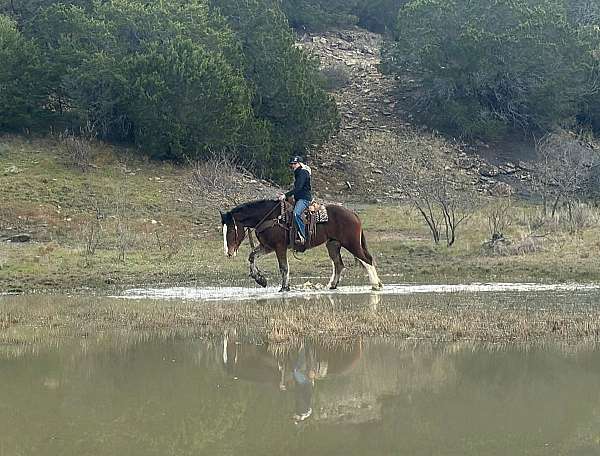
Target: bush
157	75
177	78
315	15
22	94
487	67
379	15
289	102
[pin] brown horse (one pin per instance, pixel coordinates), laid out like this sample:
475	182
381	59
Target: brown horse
342	230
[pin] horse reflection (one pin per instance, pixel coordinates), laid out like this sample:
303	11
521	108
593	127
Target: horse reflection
289	369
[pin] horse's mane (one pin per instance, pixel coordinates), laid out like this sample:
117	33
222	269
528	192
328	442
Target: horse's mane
252	206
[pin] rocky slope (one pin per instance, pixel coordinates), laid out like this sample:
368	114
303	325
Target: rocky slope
377	131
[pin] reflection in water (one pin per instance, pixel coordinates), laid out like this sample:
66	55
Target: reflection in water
171	393
294	369
229	396
304	376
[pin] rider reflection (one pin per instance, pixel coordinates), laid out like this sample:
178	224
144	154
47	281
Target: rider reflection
294	369
304	378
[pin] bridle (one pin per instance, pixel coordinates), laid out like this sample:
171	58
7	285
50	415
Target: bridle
237	236
248	229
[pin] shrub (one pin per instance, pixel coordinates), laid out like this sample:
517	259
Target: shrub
487	67
177	78
317	15
289	101
22	94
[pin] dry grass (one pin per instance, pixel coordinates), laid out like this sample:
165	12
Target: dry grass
126	222
434	318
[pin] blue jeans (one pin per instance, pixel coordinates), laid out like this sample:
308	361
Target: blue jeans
301	205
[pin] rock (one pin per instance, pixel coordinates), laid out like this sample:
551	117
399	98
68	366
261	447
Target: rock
508	168
12	170
488	171
23	237
524	166
465	163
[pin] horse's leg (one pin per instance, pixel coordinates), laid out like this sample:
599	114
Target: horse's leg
284	268
357	246
255	273
334	247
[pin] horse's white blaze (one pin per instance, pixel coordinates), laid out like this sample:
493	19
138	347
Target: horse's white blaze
225	239
373	277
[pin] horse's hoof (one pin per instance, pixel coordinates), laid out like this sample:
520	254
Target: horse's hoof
331	287
261	281
377	287
284	289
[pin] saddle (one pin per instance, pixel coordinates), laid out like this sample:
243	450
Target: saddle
315	213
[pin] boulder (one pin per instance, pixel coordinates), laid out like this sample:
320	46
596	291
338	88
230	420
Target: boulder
488	171
23	237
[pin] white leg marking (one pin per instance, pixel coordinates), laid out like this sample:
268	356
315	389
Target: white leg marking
225	350
287	273
286	277
253	264
225	239
373	277
332	275
374	300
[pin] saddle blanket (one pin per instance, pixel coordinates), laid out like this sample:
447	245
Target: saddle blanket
319	211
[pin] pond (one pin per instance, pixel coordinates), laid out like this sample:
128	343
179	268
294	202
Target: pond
74	389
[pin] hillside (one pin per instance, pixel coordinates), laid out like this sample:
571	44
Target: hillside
123	221
377	129
80	215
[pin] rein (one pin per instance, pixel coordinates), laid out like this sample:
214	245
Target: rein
250	228
265	218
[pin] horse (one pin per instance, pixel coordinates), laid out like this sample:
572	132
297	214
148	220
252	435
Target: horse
343	229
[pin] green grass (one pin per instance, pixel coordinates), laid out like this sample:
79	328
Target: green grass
57	203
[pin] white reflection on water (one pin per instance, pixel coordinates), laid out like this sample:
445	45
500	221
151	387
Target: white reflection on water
245	293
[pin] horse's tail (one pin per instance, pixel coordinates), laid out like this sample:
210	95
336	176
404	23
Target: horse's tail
363	244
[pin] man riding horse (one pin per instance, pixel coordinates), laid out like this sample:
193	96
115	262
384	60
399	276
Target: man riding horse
301	193
342	228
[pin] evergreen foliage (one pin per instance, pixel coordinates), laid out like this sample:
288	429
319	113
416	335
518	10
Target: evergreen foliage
22	94
288	97
176	78
489	67
318	15
379	15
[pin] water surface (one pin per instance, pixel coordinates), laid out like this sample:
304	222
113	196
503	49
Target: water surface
86	375
118	394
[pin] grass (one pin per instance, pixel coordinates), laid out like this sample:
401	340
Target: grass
149	232
481	318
